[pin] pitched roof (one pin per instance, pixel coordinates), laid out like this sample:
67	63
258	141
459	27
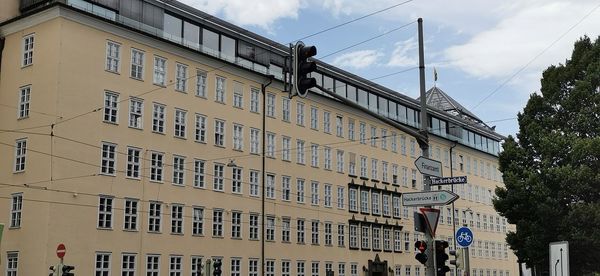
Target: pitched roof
438	99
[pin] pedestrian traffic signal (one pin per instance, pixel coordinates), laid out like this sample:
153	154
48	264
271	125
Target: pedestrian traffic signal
217	268
441	257
459	255
302	67
421	257
66	270
52	271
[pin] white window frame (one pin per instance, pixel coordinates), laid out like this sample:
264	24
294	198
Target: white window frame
157	165
160	71
130	214
105	212
177	219
16	210
24	102
180	124
219	133
154	217
136	113
128	264
111	107
218	176
238	94
178	170
28	47
300	113
113	56
109	159
201	77
200	128
238	137
102	263
137	64
197	221
20	155
158	118
181	77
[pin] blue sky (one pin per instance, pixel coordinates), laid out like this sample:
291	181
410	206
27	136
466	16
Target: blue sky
476	46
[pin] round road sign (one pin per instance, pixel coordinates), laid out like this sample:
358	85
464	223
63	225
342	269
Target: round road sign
60	251
464	236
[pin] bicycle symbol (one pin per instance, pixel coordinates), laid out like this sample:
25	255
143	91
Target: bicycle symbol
463	237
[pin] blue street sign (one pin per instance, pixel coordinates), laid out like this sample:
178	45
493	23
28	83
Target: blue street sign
464	236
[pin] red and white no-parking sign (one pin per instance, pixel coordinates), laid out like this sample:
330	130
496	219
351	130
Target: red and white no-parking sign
61	250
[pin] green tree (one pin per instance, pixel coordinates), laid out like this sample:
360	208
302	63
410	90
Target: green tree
552	170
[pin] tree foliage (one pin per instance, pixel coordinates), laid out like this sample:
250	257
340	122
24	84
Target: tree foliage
551	170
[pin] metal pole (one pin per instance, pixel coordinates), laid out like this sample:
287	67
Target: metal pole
263	89
453	210
431	269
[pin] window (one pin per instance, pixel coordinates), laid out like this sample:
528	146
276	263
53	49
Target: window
339	127
340	161
111	107
394	142
181	77
271	105
218	173
300	231
285	148
374	169
364	233
217	227
285	268
384	172
270	186
363	166
352	164
108	157
175	268
326	122
364	201
300	152
152	265
340	197
238	136
315	232
341	269
105	214
21	154
235	267
24	98
327	158
270	268
199	177
178	170
414	178
254	140
327	198
403	144
16	210
314	193
353	236
362	133
270	229
395	175
102	264
252	267
384	139
285	188
300	190
136	108
314	155
131	215
351	129
396	206
376	237
28	42
285	230
374	136
156	166
352	199
113	56
180	123
154	214
300	113
236	224
314	118
254	102
397	241
160	71
236	180
253	225
128	265
254	183
385	205
375	196
238	95
158	118
285	109
328	234
404	176
201	84
219	133
177	219
341	235
270	145
198	221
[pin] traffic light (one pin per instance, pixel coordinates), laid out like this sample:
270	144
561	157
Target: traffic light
421	257
217	268
302	67
441	257
66	270
458	258
53	271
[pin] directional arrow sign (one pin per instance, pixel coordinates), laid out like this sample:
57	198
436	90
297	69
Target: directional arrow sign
429	166
449	180
428	198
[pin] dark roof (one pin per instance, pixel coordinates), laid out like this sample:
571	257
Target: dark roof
438	99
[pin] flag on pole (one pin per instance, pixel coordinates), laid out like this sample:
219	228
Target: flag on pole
434	74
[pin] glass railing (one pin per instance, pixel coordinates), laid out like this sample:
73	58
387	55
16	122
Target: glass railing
134	24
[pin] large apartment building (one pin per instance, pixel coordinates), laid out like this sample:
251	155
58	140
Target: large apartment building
132	132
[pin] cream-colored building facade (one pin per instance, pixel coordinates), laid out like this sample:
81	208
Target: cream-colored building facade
139	148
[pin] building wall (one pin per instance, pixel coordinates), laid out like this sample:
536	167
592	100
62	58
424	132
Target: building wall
69	80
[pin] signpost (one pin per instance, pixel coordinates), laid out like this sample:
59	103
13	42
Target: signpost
464	236
429	166
449	180
428	198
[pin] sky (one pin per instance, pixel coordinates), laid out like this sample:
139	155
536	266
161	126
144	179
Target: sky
489	55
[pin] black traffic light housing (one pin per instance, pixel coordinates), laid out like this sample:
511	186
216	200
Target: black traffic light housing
441	257
217	268
66	270
421	257
302	67
52	270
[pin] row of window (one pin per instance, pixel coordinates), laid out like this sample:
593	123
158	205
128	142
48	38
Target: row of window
478	220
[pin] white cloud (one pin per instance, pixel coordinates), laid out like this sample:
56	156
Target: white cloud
405	53
358	59
249	13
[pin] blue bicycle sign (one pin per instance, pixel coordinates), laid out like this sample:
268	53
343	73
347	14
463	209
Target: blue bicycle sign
464	236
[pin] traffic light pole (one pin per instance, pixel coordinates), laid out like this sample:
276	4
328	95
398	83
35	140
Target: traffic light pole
431	268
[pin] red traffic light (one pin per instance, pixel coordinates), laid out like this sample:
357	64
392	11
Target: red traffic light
421	245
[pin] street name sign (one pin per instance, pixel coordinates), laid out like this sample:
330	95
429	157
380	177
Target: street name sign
449	180
428	198
429	166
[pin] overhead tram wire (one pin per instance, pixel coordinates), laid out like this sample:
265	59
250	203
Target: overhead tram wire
535	57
